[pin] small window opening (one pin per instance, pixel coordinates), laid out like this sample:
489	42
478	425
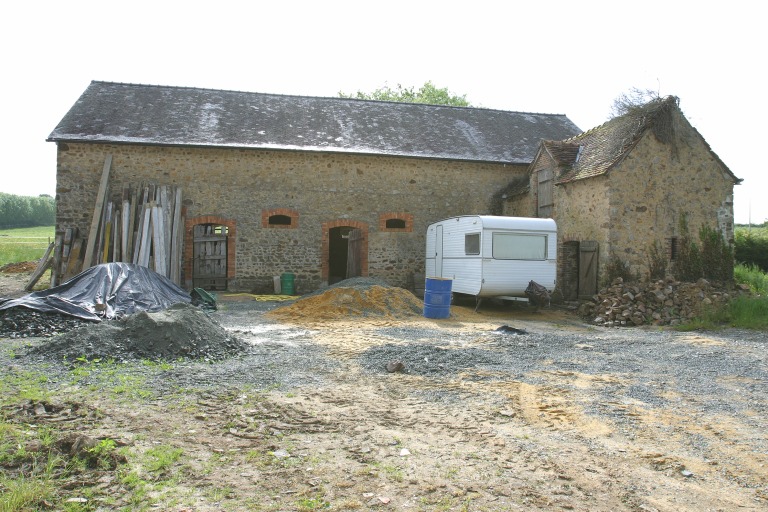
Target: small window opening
674	248
279	220
472	243
395	224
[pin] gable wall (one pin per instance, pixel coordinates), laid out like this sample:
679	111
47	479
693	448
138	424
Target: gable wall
653	186
321	188
580	211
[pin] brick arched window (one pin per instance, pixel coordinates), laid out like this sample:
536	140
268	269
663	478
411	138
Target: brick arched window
284	218
396	221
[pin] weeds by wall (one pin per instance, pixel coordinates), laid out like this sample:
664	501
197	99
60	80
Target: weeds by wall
710	258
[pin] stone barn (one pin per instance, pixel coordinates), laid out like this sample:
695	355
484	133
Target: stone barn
321	188
620	190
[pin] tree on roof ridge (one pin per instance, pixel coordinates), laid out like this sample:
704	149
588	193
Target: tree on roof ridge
427	94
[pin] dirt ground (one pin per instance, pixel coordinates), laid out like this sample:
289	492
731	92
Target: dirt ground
363	440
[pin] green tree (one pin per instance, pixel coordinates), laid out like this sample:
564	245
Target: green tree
427	94
26	211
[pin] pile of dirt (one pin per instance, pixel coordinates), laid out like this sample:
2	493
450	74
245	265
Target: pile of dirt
181	331
19	267
663	302
355	297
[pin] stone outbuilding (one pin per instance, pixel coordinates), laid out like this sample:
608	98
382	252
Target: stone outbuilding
321	188
621	190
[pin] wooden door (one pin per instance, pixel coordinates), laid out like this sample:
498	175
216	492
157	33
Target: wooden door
545	192
354	253
209	269
587	269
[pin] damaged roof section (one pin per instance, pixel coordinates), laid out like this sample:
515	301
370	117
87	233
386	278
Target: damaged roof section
180	116
596	151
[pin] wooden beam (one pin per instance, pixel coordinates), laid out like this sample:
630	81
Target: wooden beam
176	235
57	252
144	242
42	266
134	204
158	240
97	212
73	263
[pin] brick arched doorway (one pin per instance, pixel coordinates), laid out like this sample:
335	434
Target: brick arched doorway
345	250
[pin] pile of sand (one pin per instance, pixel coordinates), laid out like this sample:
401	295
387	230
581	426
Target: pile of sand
358	297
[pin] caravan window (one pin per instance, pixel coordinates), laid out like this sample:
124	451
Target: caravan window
513	246
472	243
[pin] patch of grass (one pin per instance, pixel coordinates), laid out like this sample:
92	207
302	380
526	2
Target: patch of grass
742	312
23	385
217	494
394	473
752	276
24	493
160	458
150	475
309	504
24	244
749	313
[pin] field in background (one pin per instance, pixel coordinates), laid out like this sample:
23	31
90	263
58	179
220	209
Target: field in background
24	244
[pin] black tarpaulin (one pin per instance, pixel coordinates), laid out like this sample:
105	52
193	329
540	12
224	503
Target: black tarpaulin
110	290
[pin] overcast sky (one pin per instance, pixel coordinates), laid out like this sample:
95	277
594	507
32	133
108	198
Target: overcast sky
557	57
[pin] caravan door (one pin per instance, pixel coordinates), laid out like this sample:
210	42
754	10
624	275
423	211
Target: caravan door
439	250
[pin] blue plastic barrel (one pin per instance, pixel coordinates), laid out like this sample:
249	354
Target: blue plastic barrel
437	297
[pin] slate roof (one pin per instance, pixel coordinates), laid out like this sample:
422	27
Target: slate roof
110	112
603	147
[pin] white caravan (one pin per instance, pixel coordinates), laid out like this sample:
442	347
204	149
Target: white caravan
493	256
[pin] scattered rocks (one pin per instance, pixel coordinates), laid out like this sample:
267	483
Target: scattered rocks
663	302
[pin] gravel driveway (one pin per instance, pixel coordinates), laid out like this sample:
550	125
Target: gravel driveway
596	406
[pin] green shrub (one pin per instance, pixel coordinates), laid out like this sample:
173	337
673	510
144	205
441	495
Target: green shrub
711	258
751	247
716	255
752	276
657	262
616	267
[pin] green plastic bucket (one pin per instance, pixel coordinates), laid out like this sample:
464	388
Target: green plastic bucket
286	284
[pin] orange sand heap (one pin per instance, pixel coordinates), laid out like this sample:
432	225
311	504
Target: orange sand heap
346	302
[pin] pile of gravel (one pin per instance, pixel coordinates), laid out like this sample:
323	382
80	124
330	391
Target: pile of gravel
26	323
425	359
182	331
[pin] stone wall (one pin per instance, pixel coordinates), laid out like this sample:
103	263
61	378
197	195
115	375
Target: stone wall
244	187
636	203
657	184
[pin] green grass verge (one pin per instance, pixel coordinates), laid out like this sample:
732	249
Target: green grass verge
751	275
24	244
742	312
